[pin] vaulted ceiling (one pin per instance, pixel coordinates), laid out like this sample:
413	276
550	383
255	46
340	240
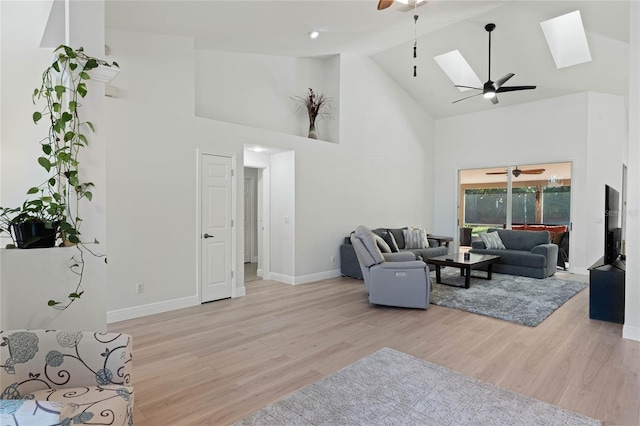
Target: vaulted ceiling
387	36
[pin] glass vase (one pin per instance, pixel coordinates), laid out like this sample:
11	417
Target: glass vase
312	130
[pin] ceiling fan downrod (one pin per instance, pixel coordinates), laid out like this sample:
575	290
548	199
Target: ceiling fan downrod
415	39
489	28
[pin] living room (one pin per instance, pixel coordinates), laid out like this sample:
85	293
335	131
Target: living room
151	131
569	122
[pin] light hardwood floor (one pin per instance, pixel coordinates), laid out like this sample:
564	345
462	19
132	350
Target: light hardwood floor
217	363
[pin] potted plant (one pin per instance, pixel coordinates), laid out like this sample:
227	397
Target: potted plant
55	214
33	225
465	235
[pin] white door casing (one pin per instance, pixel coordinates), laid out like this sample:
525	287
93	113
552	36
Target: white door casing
216	277
248	216
263	202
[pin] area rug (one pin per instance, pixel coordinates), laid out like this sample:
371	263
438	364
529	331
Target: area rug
393	388
522	300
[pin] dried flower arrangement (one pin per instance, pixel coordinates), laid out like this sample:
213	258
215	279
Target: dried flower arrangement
318	107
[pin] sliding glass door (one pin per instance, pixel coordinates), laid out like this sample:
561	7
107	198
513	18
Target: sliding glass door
502	196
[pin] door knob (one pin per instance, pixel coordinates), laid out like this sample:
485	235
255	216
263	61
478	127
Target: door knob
208	236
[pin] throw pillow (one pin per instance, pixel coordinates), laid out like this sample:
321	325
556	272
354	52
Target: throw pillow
384	247
388	237
415	238
492	240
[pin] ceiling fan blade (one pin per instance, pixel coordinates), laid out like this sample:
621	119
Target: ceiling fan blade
514	88
496	173
494	100
477	94
499	82
468	87
383	4
533	171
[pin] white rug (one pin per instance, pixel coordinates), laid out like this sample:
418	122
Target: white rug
393	388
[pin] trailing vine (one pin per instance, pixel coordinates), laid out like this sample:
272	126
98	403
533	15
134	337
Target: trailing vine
61	91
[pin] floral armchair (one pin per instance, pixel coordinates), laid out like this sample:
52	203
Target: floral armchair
50	377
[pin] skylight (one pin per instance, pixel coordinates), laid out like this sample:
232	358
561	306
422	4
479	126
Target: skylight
458	70
567	40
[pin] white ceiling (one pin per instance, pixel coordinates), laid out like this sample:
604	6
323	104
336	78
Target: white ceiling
518	44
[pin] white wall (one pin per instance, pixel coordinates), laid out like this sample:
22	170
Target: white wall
257	90
379	175
152	141
29	278
631	329
283	217
575	128
151	184
607	151
23	62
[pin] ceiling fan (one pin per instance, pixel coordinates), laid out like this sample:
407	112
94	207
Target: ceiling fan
517	172
383	4
491	88
408	4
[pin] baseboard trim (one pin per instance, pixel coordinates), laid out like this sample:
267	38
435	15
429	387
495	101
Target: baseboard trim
631	333
304	279
186	302
151	308
281	278
260	273
581	271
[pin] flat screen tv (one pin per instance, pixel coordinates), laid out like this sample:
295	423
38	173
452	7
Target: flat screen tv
612	232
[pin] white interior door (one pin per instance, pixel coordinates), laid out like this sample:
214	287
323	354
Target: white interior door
248	216
216	223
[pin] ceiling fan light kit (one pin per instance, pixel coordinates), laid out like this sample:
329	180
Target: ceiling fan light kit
491	88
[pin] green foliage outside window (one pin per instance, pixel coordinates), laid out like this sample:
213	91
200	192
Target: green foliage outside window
488	206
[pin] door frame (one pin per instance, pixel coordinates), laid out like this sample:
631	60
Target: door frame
460	213
264	208
254	209
200	152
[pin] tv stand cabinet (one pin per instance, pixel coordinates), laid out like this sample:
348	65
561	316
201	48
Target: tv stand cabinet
606	291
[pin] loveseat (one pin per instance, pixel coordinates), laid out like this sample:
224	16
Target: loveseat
526	253
558	234
350	267
50	377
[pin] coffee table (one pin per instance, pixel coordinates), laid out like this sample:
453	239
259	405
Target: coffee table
475	261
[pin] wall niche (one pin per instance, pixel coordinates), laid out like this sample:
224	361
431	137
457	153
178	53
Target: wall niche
257	91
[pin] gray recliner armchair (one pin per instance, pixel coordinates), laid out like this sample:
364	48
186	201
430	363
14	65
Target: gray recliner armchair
392	279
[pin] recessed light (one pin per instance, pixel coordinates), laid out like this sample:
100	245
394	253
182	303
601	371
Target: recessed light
258	149
314	34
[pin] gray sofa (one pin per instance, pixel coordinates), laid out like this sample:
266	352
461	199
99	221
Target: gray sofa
527	253
350	267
